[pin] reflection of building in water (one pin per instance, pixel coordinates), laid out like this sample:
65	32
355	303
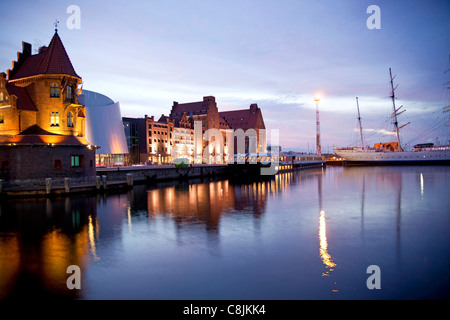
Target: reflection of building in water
40	239
193	203
206	202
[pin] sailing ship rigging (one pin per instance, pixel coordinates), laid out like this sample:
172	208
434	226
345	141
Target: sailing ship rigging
392	152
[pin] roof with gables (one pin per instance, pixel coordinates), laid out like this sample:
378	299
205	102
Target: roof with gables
24	101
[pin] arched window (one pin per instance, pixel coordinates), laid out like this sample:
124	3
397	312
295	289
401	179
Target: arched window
70	119
54	119
54	90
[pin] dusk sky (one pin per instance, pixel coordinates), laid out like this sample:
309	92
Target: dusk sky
278	54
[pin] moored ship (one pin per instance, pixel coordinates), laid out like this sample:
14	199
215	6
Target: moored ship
392	152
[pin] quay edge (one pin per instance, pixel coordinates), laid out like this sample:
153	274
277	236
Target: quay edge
123	178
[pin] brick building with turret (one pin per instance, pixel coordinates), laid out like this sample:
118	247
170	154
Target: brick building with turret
42	124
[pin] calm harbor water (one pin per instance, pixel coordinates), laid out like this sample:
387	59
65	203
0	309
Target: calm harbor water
301	235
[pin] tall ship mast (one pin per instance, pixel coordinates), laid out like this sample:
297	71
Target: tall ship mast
396	112
360	126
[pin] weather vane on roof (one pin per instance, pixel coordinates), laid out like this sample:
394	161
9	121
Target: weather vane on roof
56	25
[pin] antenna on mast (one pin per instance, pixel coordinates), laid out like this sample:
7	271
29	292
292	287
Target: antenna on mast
56	25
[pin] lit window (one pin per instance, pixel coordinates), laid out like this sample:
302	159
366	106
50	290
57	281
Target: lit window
1	97
54	90
75	161
70	119
54	119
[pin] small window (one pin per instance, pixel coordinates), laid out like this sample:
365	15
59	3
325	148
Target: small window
57	164
54	119
1	97
2	118
76	161
5	165
70	119
54	90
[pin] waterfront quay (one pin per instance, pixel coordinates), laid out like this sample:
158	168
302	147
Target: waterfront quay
124	177
111	179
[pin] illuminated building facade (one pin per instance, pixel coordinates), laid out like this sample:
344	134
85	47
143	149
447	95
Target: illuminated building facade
183	139
173	137
42	124
249	120
149	141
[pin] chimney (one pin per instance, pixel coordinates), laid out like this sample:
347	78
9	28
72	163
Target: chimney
209	98
253	107
26	49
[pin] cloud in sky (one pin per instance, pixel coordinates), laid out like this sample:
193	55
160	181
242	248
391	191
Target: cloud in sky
278	54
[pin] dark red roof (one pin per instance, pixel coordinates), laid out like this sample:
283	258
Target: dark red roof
188	108
163	119
24	101
244	119
54	60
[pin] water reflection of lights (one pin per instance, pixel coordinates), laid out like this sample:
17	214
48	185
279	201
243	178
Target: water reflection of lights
421	184
324	255
91	235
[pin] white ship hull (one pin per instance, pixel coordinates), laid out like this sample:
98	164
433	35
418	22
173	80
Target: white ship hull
374	156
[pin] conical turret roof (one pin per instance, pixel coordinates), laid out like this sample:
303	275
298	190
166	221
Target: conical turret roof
50	60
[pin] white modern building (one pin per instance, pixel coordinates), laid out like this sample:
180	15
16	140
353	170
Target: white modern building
104	128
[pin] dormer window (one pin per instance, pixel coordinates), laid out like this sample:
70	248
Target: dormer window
54	90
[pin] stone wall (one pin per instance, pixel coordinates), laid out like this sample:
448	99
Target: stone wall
150	173
32	164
